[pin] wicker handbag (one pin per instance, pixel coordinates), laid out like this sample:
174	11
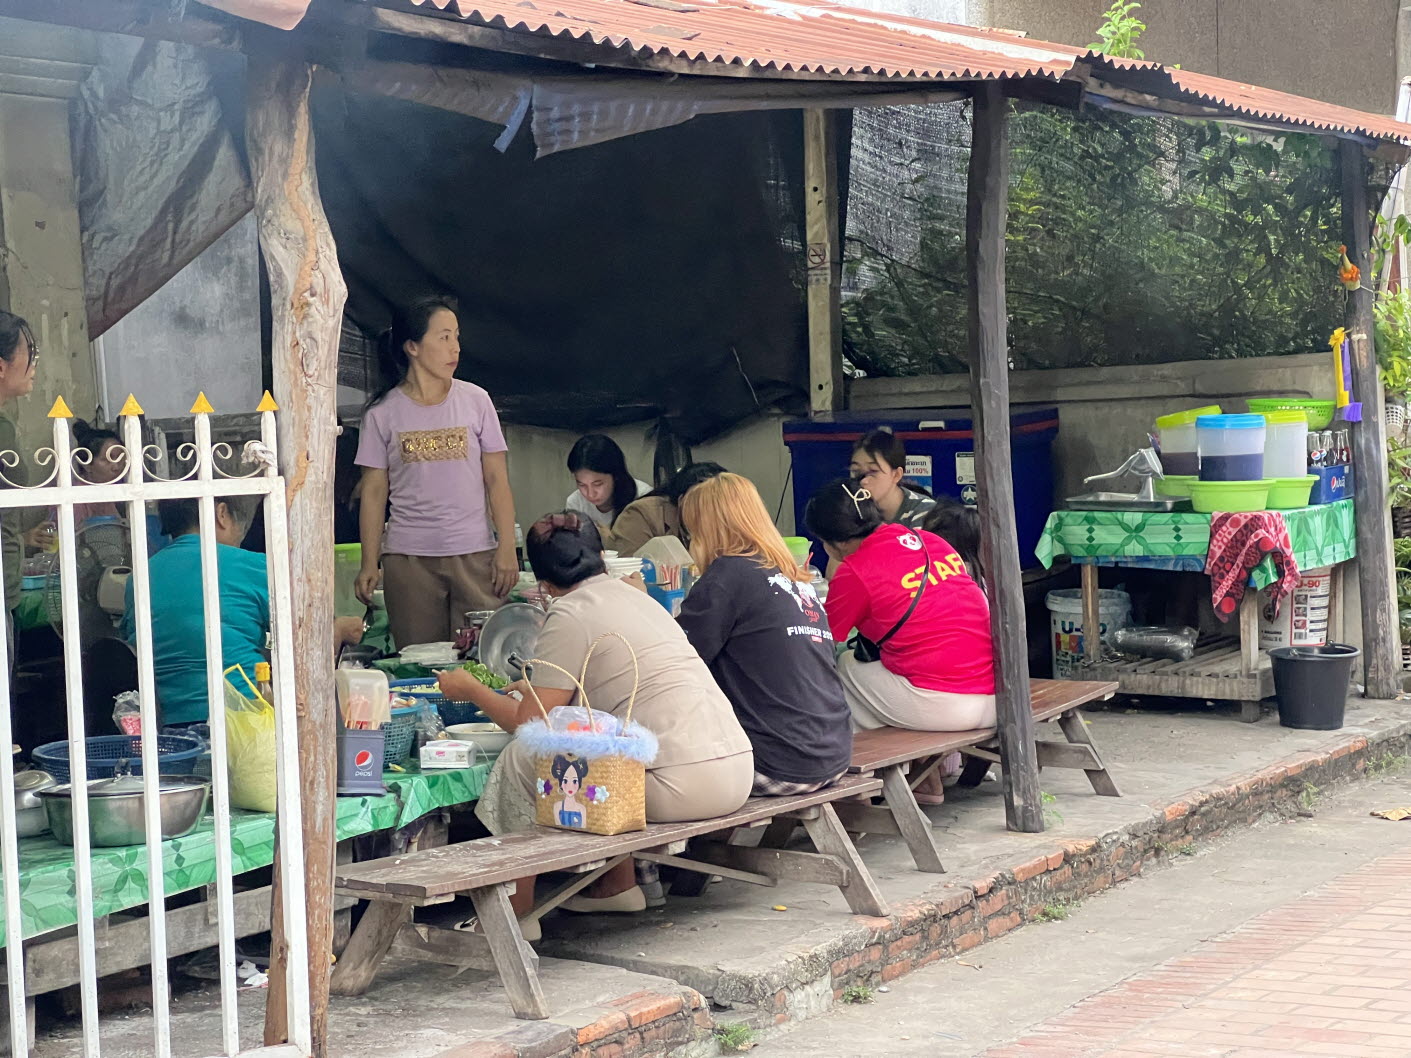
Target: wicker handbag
590	776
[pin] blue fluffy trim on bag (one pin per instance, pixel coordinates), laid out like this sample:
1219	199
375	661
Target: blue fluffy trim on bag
637	744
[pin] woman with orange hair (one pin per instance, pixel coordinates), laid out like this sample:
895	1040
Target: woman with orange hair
755	620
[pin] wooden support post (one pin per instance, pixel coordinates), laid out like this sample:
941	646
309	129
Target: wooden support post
825	265
1381	653
986	205
1092	614
306	294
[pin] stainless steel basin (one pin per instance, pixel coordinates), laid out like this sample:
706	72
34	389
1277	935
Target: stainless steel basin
115	808
1125	501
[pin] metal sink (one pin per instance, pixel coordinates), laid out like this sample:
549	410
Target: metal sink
1125	501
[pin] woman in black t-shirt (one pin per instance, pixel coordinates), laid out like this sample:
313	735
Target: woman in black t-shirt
755	620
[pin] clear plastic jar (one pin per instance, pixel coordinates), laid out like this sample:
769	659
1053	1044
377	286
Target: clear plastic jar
1176	435
1231	447
1285	444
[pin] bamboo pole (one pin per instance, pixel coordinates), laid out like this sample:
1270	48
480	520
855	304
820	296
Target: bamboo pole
306	295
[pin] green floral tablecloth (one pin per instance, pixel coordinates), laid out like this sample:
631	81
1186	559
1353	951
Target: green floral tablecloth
1321	536
47	881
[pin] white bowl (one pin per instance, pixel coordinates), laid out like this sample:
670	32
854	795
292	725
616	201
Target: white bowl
490	737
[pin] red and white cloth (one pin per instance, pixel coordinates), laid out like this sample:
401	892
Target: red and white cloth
1238	543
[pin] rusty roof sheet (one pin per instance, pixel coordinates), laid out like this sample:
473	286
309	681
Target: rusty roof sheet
826	40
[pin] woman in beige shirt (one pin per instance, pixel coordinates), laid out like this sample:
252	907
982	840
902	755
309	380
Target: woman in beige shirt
657	513
704	766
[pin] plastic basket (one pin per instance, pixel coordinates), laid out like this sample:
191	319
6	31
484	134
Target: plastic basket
176	755
450	712
399	735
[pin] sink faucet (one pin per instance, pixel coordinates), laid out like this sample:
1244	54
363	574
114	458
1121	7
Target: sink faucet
1145	463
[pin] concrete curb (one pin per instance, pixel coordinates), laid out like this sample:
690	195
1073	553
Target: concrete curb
806	979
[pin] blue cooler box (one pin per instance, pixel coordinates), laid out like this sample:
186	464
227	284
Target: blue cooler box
940	455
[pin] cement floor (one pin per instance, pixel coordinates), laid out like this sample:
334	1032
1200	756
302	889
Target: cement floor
417	1011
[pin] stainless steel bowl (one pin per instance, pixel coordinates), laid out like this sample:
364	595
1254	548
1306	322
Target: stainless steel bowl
30	819
115	808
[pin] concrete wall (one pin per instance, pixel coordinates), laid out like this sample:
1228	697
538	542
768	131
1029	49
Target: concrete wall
1105	412
41	262
205	319
541	481
1104	415
1343	53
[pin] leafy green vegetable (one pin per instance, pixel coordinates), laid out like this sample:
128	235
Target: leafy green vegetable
485	676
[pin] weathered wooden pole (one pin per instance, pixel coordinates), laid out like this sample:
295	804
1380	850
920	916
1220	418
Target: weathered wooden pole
825	265
987	201
306	295
1381	653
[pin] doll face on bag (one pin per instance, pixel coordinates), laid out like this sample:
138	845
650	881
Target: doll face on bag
569	784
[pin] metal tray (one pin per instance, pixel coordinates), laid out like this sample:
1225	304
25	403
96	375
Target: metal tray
1126	501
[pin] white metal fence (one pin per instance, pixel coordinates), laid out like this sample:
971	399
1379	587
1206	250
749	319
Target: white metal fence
210	471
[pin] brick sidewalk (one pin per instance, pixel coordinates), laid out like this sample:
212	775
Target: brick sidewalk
1326	976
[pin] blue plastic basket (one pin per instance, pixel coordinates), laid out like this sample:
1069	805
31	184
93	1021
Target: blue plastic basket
176	755
451	712
399	735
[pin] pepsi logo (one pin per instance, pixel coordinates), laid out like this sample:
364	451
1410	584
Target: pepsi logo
362	758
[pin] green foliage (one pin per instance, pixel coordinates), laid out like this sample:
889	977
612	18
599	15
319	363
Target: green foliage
734	1038
1130	240
1117	36
1057	910
1052	816
1386	765
1309	797
858	994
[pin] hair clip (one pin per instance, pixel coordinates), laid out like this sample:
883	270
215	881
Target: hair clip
857	498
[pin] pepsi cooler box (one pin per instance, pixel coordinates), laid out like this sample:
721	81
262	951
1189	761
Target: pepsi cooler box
1333	484
940	456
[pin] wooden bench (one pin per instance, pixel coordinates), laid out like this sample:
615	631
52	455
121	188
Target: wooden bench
487	868
904	759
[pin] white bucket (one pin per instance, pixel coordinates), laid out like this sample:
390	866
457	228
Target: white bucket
1303	615
1065	611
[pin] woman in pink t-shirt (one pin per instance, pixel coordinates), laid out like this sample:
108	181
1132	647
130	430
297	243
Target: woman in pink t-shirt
432	444
936	671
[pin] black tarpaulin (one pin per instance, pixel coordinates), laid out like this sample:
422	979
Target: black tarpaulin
642	277
160	176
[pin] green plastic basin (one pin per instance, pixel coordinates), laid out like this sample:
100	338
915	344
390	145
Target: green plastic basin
1177	486
1288	493
1231	497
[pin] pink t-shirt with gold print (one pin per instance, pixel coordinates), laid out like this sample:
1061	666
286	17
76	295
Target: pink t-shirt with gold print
432	458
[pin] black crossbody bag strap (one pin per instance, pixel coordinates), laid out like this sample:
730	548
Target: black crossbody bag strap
915	599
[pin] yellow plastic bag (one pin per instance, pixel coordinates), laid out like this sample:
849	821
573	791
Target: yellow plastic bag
249	739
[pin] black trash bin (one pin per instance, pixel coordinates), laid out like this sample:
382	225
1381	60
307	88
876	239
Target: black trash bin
1312	684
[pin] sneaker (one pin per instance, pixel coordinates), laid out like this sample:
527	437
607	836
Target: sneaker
649	881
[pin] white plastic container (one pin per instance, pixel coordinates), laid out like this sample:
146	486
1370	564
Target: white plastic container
1176	434
1285	444
1231	447
1303	615
1065	610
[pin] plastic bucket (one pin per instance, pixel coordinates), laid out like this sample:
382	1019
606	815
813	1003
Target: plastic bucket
1065	611
1231	447
1311	684
1288	493
798	547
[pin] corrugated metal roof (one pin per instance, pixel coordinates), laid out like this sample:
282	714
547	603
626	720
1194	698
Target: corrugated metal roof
827	40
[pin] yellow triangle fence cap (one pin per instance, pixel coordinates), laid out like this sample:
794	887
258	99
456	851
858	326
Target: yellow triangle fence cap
131	407
267	403
60	410
202	405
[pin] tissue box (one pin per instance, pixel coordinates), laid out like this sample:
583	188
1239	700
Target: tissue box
448	753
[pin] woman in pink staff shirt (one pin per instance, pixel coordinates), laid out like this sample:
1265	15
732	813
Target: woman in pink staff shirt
432	444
